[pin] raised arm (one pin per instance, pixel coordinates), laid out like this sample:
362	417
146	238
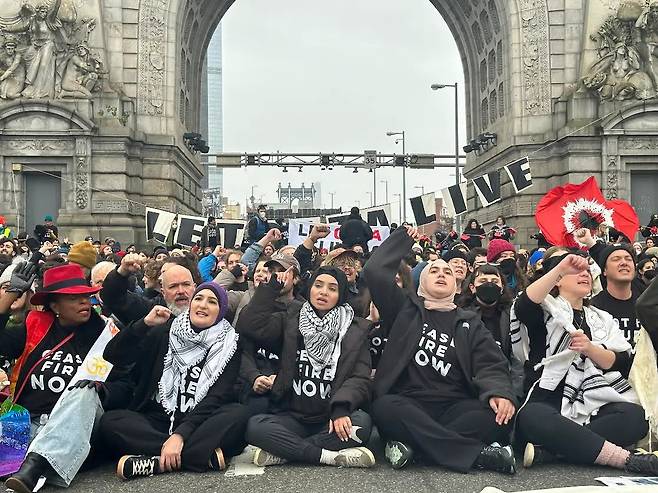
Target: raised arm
380	270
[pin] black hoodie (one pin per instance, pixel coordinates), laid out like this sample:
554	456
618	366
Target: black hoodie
485	368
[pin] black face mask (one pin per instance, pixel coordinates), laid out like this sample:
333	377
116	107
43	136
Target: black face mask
507	266
649	274
489	293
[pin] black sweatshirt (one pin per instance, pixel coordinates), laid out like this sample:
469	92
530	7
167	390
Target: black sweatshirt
485	368
145	348
52	376
278	332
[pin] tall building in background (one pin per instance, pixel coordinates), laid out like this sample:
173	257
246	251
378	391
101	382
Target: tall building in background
215	108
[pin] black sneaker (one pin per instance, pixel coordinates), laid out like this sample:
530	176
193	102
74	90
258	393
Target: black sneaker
642	463
499	459
535	454
134	466
398	454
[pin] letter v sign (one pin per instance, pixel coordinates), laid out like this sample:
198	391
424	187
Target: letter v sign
488	188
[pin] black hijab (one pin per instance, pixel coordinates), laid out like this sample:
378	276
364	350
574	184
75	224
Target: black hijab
336	273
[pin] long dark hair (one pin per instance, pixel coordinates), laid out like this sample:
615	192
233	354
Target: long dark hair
472	220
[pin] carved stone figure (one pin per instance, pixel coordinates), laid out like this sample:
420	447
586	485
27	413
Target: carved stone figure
81	74
12	70
627	67
52	47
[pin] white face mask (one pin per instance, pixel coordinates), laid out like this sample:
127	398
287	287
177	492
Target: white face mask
262	214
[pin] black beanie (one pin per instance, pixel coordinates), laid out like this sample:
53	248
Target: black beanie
610	249
337	274
456	253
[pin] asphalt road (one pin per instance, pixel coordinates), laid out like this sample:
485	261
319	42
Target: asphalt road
293	478
309	479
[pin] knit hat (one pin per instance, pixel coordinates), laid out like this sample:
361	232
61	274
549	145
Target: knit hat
536	257
3	221
220	292
450	254
610	249
159	249
48	218
337	274
83	253
498	246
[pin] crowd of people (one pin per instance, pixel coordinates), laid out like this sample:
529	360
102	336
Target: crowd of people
461	356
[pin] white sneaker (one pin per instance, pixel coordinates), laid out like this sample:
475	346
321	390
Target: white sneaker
264	458
355	457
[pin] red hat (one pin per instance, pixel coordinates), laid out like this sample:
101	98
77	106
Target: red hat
498	246
64	279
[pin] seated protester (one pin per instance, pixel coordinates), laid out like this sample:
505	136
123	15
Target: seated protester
489	297
259	367
646	271
51	347
476	257
183	414
129	307
151	279
582	409
456	259
379	329
445	390
503	253
621	286
307	253
473	234
324	378
349	262
262	247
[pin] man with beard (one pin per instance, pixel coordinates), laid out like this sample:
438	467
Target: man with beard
177	289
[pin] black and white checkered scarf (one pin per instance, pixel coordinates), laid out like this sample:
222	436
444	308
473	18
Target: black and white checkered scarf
188	348
322	336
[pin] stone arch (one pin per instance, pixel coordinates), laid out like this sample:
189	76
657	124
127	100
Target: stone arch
26	109
481	29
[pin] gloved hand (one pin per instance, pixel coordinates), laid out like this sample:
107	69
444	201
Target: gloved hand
236	271
275	283
22	278
100	387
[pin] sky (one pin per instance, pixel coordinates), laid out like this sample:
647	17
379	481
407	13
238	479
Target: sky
315	76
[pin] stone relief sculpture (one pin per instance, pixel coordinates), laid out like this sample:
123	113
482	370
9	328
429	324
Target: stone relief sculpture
627	65
81	74
12	70
50	46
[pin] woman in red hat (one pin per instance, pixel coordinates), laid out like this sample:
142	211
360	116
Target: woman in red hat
49	348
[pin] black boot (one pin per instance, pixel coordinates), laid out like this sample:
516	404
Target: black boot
499	459
24	481
642	463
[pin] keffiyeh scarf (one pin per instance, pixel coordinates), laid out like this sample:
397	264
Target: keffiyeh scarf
188	348
587	388
322	336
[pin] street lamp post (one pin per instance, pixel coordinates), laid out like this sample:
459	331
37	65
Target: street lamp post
436	87
332	199
404	172
400	206
385	182
371	202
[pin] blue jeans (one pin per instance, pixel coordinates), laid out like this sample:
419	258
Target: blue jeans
64	441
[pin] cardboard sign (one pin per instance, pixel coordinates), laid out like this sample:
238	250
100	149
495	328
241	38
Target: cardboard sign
374	216
299	231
